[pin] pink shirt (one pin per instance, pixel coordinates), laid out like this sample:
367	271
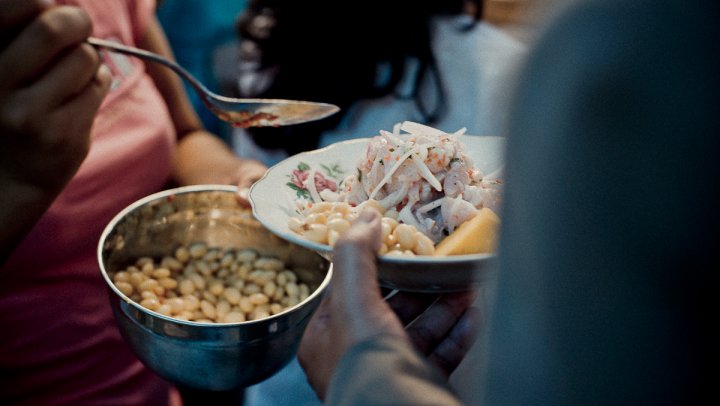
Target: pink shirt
59	343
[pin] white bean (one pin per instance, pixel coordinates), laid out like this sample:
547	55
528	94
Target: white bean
182	254
232	295
198	250
423	245
208	309
121	276
168	283
211	285
295	224
405	235
317	233
247	255
186	286
234	317
315	218
125	287
258	299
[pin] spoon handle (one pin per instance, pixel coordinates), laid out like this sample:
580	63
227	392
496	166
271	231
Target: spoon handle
141	53
238	112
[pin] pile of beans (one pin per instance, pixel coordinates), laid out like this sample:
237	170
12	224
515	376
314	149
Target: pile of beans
210	285
324	222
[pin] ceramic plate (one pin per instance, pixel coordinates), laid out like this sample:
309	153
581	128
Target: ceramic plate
273	202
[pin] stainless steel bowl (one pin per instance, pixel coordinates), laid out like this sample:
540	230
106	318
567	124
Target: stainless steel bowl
204	356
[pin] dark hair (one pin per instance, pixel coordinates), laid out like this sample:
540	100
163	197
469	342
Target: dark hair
329	51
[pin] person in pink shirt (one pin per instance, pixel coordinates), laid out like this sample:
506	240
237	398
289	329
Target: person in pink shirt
82	135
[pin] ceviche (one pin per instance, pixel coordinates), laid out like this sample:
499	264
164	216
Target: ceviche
418	177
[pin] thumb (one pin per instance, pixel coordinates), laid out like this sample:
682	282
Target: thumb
355	293
354	257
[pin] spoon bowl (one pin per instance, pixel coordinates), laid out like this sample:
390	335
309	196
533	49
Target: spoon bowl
238	112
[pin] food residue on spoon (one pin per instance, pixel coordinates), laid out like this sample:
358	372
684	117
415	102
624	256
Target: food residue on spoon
247	119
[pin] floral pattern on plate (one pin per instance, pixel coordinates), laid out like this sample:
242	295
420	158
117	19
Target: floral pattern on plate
327	177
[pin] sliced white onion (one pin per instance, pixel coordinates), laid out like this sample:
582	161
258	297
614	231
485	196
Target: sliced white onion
420	129
406	216
310	185
427	174
429	206
460	132
395	197
389	173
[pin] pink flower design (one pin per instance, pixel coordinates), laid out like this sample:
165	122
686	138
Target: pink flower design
321	182
298	178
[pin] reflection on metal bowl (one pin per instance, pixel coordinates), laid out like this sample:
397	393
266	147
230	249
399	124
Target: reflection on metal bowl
206	356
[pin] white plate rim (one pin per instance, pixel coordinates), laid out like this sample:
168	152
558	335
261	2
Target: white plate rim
272	173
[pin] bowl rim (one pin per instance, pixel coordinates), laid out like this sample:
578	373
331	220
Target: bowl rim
110	227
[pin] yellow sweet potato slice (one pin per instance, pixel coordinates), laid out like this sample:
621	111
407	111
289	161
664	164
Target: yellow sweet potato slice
477	235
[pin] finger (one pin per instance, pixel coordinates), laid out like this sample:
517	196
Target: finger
355	292
95	92
16	13
452	350
251	177
84	105
433	325
243	197
50	35
69	76
408	305
72	75
354	257
317	328
61	138
249	172
313	353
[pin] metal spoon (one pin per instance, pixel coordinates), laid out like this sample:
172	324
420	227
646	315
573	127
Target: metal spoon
239	112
